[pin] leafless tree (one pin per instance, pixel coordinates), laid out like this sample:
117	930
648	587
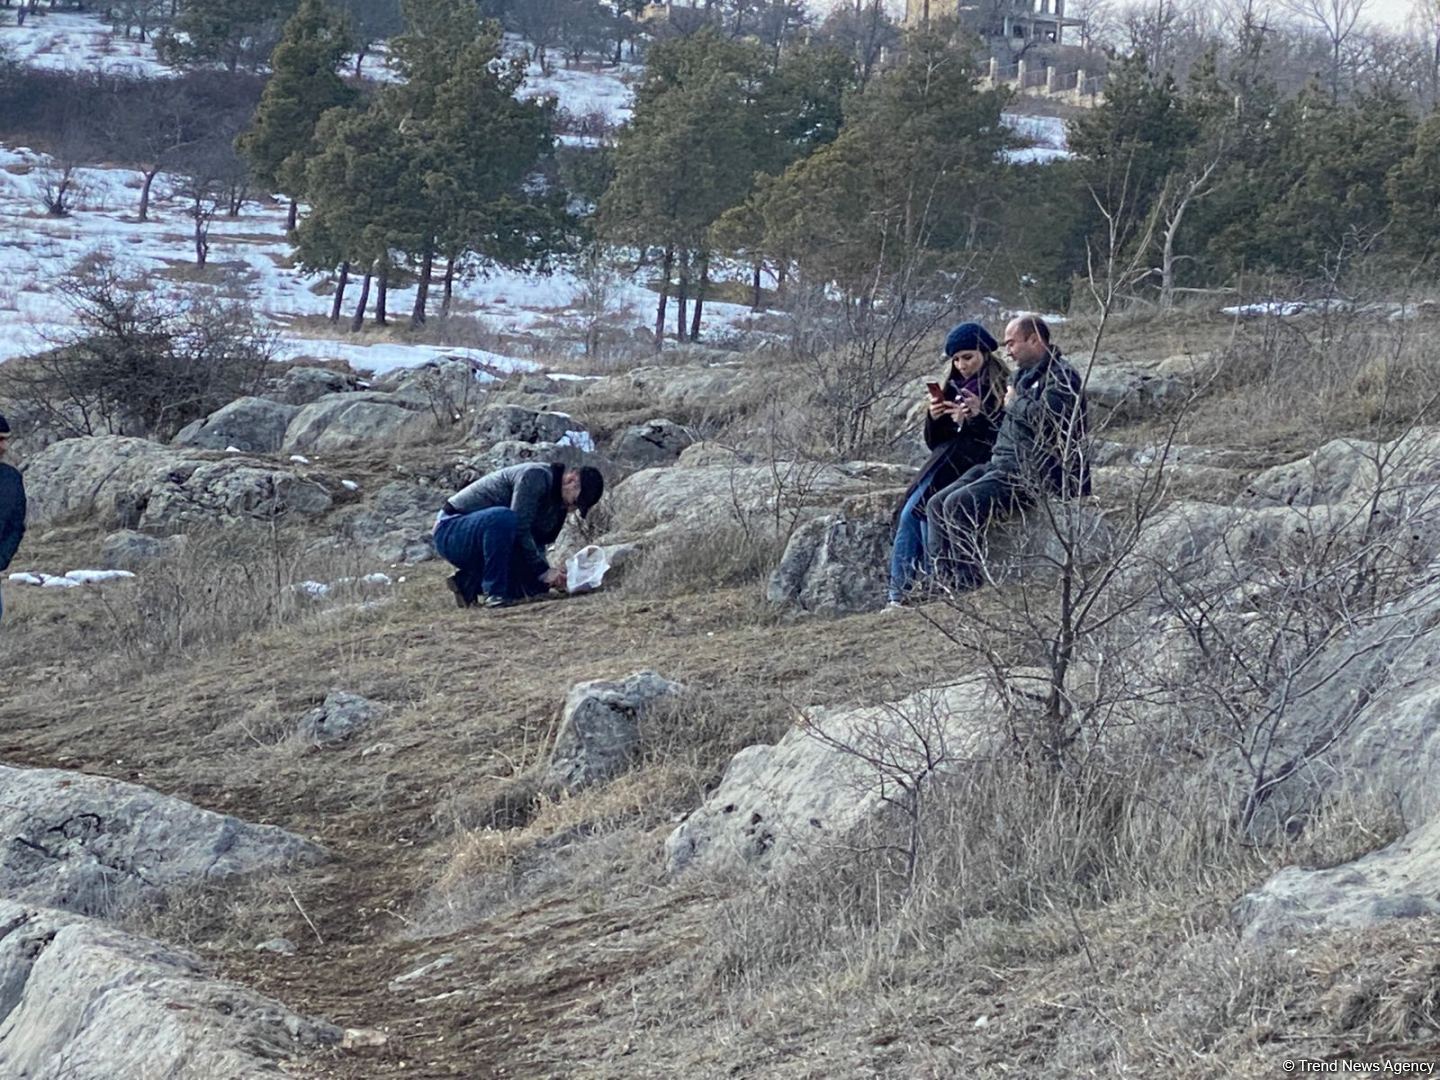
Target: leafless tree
1338	20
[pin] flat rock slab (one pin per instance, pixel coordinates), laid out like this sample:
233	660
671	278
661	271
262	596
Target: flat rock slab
83	1001
778	804
1400	881
96	846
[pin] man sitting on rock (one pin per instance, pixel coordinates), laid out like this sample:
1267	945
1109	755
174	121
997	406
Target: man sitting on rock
1039	452
496	530
12	507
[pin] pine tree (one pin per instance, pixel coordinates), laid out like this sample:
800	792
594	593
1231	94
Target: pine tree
1414	190
303	86
207	31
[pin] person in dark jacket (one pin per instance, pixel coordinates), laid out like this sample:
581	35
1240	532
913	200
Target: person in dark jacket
1039	452
12	507
496	530
960	429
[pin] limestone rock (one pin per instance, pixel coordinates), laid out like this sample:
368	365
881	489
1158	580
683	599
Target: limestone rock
516	452
252	424
90	844
655	442
119	482
396	522
602	727
128	549
777	805
1346	472
303	385
341	716
516	423
760	497
1399	881
83	1001
834	564
346	421
1130	394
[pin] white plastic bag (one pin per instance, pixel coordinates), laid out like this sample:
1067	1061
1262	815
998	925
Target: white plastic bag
586	569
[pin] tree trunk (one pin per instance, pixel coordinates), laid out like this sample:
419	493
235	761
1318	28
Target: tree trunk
666	265
202	242
700	297
145	193
360	58
293	217
449	290
755	303
682	296
340	291
358	320
382	291
422	294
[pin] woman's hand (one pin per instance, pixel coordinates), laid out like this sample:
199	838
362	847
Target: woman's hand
938	409
969	405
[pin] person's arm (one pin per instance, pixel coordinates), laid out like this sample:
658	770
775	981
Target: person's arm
12	524
939	430
529	495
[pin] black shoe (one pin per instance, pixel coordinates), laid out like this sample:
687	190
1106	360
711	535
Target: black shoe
500	602
461	598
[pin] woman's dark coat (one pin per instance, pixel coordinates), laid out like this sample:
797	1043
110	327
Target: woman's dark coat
955	447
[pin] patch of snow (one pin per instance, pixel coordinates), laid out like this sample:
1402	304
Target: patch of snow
1282	308
565	376
27	578
79	41
90	577
349	485
1035	155
71	579
300	459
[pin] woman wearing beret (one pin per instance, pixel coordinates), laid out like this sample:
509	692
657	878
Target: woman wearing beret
959	431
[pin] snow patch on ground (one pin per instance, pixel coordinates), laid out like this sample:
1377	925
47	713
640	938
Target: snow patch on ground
1045	134
77	41
71	579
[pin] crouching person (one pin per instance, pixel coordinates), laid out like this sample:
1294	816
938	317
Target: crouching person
495	531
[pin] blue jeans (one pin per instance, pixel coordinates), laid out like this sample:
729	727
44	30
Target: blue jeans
910	538
481	545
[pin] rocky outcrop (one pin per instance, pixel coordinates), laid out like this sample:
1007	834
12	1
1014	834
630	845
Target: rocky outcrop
346	421
93	845
681	386
251	424
778	805
601	729
766	498
396	522
338	718
118	482
84	1001
515	423
834	565
840	563
1351	472
302	385
1399	881
655	442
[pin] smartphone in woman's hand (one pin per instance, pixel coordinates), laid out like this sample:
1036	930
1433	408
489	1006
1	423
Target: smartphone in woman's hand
936	394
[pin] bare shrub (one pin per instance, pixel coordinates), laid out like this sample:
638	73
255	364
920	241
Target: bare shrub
138	364
723	557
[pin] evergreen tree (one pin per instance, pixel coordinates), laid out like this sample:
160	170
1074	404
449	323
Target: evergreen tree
223	31
1414	191
910	181
303	86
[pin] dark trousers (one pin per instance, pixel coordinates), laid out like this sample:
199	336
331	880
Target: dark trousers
958	517
481	545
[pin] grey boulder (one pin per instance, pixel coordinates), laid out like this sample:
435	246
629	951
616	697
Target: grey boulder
602	729
338	718
302	385
827	777
83	1001
252	424
516	423
119	482
339	422
655	442
94	845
